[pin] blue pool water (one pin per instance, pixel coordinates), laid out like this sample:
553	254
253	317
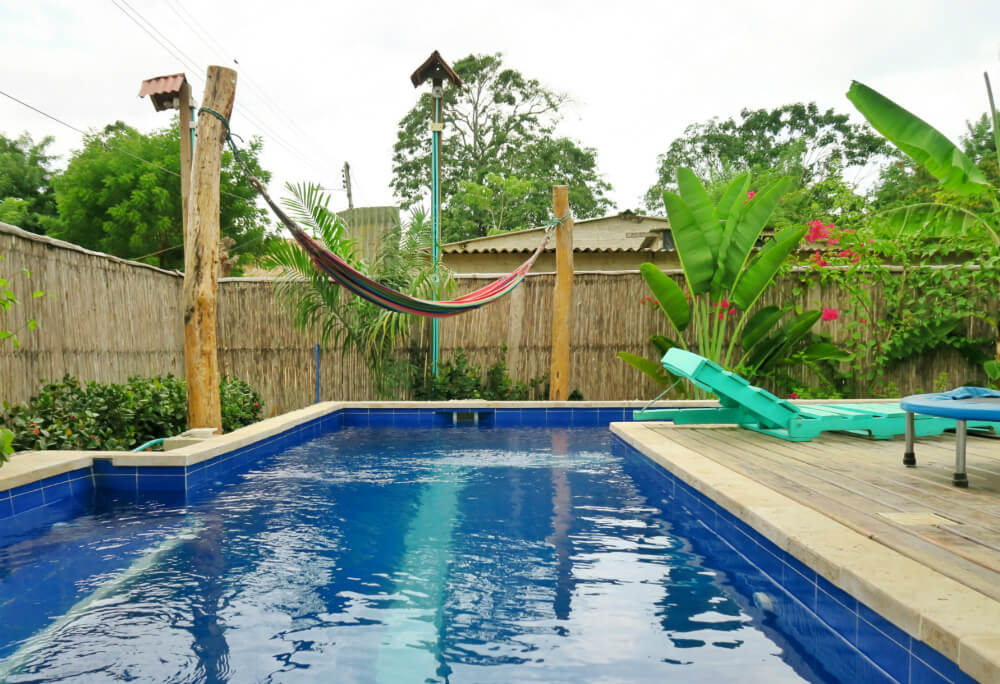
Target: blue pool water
395	555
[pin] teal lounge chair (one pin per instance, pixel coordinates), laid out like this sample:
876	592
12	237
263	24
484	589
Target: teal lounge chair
757	409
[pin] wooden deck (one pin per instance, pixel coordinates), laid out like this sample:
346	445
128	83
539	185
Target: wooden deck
863	484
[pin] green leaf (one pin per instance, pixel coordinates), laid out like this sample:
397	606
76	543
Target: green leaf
663	344
694	195
992	369
669	294
651	369
825	351
37	293
735	192
693	249
742	234
763	267
921	141
760	324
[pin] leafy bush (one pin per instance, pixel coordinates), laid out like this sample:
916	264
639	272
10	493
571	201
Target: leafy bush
458	380
92	416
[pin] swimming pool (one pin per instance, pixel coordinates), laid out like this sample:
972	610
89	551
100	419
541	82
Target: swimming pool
398	555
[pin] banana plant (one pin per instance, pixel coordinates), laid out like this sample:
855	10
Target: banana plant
724	280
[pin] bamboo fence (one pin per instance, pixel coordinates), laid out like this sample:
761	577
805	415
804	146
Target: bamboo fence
107	319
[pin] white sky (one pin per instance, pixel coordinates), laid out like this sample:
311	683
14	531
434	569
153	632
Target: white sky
331	79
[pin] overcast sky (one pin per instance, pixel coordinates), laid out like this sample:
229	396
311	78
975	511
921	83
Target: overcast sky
328	82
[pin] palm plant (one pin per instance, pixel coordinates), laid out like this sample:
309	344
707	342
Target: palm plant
344	322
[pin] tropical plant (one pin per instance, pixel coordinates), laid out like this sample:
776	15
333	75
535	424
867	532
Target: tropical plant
958	178
27	199
345	322
724	281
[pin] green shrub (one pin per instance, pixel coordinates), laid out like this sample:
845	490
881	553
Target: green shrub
458	380
94	416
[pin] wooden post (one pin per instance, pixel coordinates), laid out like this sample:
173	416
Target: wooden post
185	124
562	297
201	254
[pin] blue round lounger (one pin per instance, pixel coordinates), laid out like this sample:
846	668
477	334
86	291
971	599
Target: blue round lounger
962	404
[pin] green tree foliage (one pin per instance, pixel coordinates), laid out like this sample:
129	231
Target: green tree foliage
26	196
499	134
810	146
111	201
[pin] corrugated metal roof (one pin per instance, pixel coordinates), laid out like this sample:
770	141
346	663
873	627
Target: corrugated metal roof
162	89
625	232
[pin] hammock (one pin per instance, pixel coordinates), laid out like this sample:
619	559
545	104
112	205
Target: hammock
387	298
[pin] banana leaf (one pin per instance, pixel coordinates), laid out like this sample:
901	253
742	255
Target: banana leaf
740	236
663	344
651	369
825	351
693	249
760	324
921	141
702	209
733	197
763	267
671	297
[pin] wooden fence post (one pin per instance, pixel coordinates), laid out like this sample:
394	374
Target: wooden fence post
562	297
201	254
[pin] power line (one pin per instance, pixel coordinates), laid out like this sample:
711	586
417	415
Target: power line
183	59
104	143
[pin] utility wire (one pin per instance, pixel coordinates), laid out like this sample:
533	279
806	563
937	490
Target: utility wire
183	59
105	144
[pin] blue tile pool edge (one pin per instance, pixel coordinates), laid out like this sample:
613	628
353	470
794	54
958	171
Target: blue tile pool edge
859	626
106	476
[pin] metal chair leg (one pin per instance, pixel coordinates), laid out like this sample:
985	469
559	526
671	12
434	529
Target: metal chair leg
960	478
909	458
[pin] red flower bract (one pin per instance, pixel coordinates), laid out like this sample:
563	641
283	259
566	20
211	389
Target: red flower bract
830	315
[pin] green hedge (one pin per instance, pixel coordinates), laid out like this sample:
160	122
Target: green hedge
93	416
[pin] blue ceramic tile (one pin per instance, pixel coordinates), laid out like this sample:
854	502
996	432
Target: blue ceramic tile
881	624
508	418
120	483
802	587
606	416
558	417
81	485
27	501
78	473
889	654
6	508
55	479
871	673
921	673
487	418
57	491
160	470
943	665
196	477
533	417
425	418
24	489
585	417
770	564
356	418
162	483
837	593
834	613
380	418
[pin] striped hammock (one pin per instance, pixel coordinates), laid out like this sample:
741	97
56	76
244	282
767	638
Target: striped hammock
393	300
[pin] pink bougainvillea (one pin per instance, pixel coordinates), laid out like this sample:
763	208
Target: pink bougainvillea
793	395
818	231
830	315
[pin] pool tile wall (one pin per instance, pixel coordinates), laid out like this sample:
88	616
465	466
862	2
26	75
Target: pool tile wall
46	492
895	655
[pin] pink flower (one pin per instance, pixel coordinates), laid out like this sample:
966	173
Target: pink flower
817	258
817	231
750	196
732	311
721	315
833	241
830	315
724	304
871	241
856	259
863	320
849	230
793	395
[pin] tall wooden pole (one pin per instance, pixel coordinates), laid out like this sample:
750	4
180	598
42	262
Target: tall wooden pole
201	254
185	124
562	297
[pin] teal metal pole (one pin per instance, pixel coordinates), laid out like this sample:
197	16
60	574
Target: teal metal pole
435	222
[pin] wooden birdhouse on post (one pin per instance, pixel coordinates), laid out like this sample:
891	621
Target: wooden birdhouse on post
438	71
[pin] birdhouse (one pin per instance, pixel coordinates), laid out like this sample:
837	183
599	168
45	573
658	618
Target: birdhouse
437	70
164	91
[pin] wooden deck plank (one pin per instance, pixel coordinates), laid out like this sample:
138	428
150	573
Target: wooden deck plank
855	480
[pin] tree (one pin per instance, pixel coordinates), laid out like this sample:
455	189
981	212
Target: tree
499	133
795	140
27	199
112	201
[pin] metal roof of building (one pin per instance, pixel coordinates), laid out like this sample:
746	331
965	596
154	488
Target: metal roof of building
625	234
